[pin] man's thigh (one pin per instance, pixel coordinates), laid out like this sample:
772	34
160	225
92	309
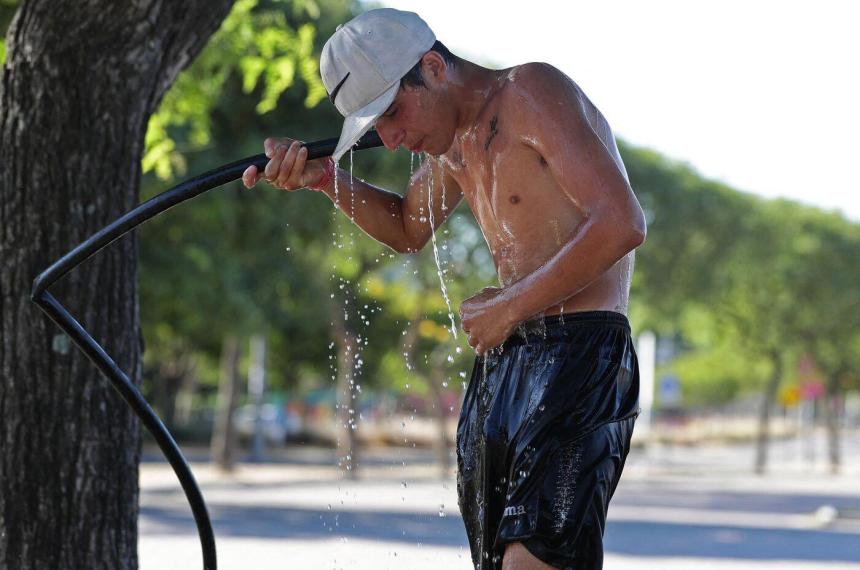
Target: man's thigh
517	557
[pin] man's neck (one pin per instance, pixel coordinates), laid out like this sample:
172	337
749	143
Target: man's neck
474	87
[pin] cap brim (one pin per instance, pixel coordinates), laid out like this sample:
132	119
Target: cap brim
359	122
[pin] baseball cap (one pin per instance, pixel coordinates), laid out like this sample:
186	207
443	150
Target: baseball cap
362	64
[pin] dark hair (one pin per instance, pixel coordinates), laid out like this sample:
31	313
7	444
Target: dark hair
414	78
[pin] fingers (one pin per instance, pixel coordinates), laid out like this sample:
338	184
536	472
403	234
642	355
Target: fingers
274	165
287	173
299	166
272	143
286	169
473	342
250	177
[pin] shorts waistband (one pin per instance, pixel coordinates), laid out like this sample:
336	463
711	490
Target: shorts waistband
605	317
554	326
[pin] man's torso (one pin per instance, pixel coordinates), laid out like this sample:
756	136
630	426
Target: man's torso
524	215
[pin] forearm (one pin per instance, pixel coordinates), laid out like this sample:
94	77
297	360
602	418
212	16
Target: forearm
378	212
592	250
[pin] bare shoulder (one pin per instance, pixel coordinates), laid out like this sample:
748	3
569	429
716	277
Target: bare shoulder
540	84
542	104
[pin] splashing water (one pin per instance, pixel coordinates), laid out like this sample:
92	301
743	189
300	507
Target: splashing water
336	194
436	249
351	190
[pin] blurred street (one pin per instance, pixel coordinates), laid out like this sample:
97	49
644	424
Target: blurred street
676	507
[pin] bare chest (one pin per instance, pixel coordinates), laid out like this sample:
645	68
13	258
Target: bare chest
523	213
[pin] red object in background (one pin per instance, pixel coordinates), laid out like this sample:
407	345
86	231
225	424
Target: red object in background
811	390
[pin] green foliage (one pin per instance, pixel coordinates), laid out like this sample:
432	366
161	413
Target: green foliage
715	375
260	46
737	278
7	12
771	279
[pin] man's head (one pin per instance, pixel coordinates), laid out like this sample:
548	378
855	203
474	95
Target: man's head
386	68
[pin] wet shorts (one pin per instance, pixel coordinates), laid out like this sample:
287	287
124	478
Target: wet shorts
542	438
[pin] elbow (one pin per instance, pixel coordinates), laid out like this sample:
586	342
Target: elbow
408	242
636	236
415	247
637	230
623	235
407	246
624	240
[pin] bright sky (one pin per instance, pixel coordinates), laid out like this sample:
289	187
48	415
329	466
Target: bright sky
763	95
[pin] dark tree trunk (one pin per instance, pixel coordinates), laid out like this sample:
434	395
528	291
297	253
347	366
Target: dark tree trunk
347	390
769	396
224	430
167	380
433	378
79	84
434	381
832	413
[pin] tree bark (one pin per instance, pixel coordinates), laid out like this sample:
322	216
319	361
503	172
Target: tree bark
80	82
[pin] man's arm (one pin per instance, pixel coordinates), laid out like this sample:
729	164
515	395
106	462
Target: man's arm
551	116
400	222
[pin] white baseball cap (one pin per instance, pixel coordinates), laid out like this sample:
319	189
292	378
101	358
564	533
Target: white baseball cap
362	64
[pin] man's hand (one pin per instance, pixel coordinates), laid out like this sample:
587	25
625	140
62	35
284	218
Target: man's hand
287	168
486	319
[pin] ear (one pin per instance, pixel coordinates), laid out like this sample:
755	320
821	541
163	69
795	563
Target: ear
433	67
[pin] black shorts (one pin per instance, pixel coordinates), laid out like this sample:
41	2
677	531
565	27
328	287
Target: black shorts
542	438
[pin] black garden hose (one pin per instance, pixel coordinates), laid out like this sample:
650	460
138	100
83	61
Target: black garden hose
84	341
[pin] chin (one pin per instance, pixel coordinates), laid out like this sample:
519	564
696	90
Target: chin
442	149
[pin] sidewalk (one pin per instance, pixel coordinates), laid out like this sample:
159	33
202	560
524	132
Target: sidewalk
675	509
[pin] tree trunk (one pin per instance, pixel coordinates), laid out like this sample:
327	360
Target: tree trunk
80	82
763	439
831	416
347	391
434	382
224	430
168	378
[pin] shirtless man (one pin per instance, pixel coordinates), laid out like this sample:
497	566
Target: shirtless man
548	413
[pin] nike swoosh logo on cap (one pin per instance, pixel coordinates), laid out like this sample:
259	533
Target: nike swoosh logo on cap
336	90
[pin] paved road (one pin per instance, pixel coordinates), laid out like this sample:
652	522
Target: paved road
675	509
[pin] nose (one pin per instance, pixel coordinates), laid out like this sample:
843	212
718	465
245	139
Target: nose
391	136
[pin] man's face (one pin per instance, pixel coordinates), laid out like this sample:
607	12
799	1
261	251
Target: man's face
422	119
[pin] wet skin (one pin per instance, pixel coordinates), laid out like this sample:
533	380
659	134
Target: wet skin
555	208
